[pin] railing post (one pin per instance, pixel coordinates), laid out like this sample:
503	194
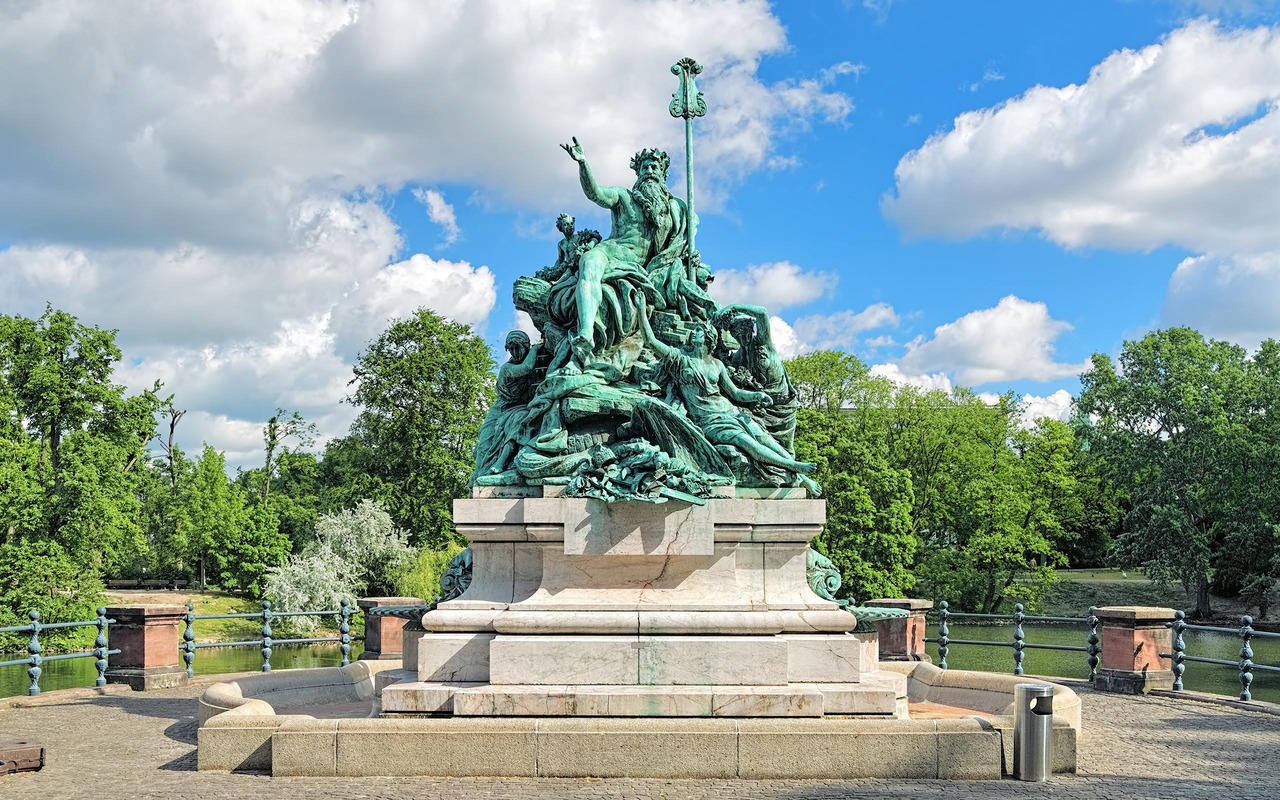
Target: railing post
34	649
1246	657
344	630
189	640
1094	649
1133	637
147	638
1019	639
943	631
1179	648
384	635
266	635
902	638
100	648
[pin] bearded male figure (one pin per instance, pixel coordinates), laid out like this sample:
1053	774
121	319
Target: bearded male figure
649	225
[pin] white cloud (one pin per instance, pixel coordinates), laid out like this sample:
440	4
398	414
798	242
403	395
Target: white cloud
1058	405
784	339
211	177
440	212
936	381
776	285
840	331
1232	298
1175	143
1013	340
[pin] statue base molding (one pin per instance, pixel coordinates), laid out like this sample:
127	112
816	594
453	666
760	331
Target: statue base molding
578	607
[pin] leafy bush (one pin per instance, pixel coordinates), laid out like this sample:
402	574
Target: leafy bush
42	576
356	552
423	579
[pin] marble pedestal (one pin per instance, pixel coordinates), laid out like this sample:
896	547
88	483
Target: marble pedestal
578	607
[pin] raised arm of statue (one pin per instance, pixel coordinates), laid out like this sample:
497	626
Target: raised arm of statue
606	196
661	348
523	368
756	314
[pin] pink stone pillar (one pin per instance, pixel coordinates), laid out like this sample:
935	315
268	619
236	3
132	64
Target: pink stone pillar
383	636
147	638
1132	639
902	639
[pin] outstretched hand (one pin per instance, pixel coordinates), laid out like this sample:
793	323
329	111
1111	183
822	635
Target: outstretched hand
575	151
765	401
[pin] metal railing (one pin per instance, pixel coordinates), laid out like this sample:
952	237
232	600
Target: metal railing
266	642
35	650
1091	648
1245	664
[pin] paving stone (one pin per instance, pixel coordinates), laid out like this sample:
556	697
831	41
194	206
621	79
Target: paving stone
141	746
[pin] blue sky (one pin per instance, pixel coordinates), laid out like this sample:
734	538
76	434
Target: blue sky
975	194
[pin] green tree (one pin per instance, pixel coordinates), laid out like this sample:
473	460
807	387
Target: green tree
221	533
827	379
76	441
423	387
42	576
1176	428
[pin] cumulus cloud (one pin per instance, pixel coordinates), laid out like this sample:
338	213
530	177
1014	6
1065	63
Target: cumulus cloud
1177	143
1232	298
785	340
440	212
777	285
156	123
212	177
1172	144
841	330
1013	340
936	381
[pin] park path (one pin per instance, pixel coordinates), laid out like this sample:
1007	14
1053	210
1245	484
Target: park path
141	746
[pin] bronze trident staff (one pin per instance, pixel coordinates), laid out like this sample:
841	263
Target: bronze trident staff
687	102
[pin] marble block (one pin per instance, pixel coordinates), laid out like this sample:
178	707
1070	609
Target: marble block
543	660
709	660
825	658
594	527
454	656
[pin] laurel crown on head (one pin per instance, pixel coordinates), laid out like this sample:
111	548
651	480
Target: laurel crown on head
651	153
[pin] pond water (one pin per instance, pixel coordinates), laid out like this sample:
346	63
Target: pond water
1197	677
80	672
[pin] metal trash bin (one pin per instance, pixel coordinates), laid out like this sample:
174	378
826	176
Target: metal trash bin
1032	731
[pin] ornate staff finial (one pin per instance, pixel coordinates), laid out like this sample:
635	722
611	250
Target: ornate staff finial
687	103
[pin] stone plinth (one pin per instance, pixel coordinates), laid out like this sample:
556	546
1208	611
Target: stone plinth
147	637
383	635
580	607
1132	639
902	639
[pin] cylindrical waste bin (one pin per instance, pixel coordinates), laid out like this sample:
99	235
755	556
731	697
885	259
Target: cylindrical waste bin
1032	731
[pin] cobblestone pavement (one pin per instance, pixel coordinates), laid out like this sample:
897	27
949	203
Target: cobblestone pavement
142	747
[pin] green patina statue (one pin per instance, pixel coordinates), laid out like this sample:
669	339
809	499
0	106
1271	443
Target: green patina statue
642	387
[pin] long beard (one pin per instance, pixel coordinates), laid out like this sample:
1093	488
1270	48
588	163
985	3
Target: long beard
653	197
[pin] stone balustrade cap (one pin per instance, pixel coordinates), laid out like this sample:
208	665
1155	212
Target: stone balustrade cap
377	602
146	610
1135	613
909	603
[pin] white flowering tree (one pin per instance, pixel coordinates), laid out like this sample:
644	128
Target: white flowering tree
356	552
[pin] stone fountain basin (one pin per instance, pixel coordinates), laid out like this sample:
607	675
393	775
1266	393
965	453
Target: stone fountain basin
303	723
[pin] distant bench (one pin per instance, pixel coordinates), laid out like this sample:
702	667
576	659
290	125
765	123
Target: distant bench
147	584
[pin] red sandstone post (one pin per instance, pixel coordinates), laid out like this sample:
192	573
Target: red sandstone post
147	638
383	636
902	639
1132	639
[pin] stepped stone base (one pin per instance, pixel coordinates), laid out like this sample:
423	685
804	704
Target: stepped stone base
580	608
880	694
